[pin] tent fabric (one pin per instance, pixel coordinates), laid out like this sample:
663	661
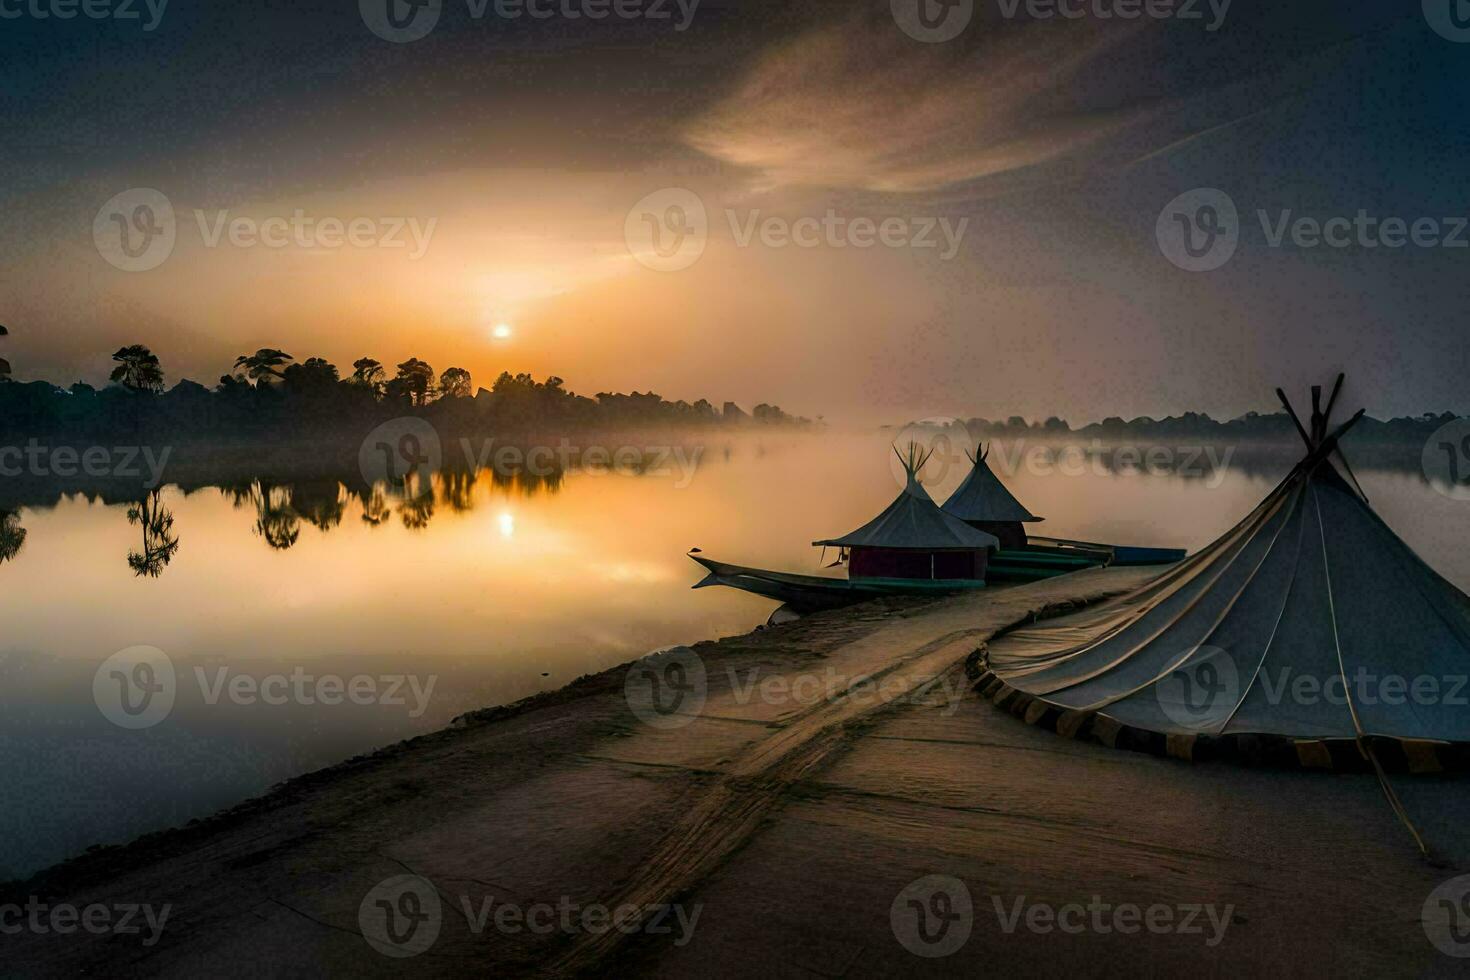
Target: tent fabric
982	497
914	521
1310	619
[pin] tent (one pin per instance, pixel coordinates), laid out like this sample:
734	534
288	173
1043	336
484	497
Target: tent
1309	634
914	538
984	503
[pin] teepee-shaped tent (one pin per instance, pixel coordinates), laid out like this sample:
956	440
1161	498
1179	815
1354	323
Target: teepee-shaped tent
1309	633
984	503
913	538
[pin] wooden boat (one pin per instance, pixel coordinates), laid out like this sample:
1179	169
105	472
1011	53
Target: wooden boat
812	593
916	547
1043	558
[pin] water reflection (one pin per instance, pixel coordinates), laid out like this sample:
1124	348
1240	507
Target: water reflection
160	543
502	585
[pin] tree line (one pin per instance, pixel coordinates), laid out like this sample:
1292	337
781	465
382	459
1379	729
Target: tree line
269	389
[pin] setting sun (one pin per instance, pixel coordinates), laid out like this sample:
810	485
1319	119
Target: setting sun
502	331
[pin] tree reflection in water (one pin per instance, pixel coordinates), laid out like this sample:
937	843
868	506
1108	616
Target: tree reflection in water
12	535
160	544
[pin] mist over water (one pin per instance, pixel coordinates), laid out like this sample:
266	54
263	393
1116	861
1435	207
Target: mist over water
481	592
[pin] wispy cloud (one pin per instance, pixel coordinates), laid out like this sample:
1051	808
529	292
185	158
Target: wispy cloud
860	105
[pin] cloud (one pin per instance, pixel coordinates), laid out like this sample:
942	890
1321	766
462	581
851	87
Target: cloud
860	105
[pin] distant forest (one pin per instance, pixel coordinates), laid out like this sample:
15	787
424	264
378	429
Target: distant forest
269	393
1194	427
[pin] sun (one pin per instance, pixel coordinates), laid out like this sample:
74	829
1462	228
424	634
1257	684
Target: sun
502	331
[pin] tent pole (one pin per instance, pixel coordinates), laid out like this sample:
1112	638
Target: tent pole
1295	421
1332	399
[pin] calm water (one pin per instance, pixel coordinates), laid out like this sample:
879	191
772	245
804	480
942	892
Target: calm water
501	593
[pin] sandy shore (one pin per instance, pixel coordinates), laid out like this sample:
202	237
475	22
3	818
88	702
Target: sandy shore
817	816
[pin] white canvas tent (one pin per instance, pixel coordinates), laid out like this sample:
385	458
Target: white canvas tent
1310	627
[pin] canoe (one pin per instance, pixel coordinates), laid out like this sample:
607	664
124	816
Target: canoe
1041	558
812	593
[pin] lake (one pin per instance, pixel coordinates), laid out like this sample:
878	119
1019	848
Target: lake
304	624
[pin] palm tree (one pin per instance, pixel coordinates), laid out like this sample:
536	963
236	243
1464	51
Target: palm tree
263	365
137	369
4	364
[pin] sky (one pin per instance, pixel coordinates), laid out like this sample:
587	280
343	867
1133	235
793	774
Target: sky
828	206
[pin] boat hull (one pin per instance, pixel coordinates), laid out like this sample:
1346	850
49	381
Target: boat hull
1042	558
813	593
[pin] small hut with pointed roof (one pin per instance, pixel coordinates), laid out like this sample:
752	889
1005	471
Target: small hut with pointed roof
984	503
914	538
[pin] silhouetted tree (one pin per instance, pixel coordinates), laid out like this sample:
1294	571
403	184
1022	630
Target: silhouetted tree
4	364
263	365
455	383
368	373
375	509
321	502
414	381
12	535
314	376
160	544
275	520
137	369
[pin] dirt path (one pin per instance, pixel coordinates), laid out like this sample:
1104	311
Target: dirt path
831	764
